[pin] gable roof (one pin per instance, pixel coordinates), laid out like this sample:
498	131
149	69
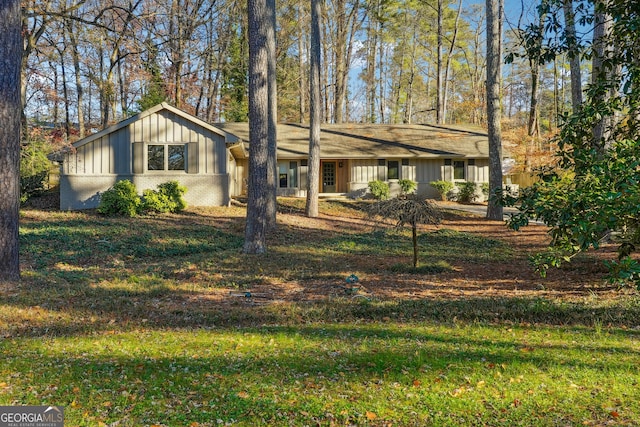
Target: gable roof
142	115
373	141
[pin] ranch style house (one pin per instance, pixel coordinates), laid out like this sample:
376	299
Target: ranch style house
164	144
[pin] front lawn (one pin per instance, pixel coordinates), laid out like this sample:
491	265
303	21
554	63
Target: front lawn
162	321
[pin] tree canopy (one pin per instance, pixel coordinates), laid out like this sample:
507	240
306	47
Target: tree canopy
592	194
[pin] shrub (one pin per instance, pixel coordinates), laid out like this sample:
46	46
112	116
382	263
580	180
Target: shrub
467	192
407	186
154	201
168	198
34	165
485	189
443	188
121	199
379	189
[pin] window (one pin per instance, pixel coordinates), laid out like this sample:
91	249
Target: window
155	161
161	157
459	170
393	169
176	157
288	174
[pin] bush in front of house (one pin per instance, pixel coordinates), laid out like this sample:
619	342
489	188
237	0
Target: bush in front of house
484	187
443	188
121	199
407	186
466	192
167	198
379	189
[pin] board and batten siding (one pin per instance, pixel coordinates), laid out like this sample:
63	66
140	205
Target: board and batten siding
112	153
479	172
94	166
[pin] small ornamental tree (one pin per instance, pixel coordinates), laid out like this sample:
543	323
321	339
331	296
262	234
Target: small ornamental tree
409	210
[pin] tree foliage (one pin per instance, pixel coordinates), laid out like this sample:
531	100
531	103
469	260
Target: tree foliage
34	164
593	192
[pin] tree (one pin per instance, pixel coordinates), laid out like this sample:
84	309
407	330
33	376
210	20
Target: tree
272	139
257	194
593	192
494	58
10	118
315	109
574	55
408	209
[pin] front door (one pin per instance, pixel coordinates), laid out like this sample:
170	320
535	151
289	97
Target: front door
328	177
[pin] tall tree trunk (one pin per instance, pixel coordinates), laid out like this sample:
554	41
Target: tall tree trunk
532	124
10	118
574	55
494	61
600	73
255	231
370	75
408	106
346	24
447	67
315	109
302	51
340	66
272	163
535	63
75	56
439	73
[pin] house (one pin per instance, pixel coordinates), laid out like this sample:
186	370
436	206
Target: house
165	144
158	145
352	155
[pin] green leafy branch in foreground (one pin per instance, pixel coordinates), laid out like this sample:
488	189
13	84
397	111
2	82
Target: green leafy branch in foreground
593	194
601	204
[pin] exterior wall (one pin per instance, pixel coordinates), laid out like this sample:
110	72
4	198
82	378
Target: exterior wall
242	176
422	171
475	173
235	181
479	172
122	154
83	192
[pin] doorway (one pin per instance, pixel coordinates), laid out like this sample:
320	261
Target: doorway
328	177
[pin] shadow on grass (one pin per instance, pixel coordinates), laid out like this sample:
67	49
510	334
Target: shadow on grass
64	310
85	272
291	376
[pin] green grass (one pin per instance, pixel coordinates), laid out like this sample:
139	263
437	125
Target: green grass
116	320
364	374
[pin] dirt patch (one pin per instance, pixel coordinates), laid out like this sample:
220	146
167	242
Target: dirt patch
585	276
